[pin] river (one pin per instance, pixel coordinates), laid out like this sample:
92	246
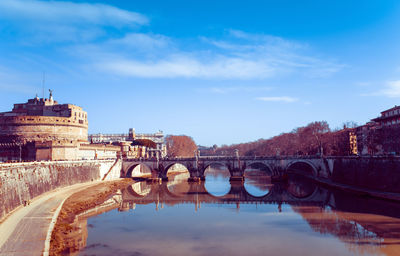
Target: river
257	217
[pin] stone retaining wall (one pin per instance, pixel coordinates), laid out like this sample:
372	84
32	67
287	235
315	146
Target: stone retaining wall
375	173
24	181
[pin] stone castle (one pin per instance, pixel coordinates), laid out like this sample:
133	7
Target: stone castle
43	130
41	120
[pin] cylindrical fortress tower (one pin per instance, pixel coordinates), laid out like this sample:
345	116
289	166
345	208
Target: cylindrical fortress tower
42	129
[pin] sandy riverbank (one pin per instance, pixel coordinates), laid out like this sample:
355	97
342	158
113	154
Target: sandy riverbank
79	203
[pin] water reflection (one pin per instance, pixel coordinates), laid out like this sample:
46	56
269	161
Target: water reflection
217	180
139	189
257	182
177	175
300	186
293	218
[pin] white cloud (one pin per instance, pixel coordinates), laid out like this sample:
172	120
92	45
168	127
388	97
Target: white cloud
392	89
286	99
191	67
263	39
60	21
69	12
148	42
225	90
258	57
238	55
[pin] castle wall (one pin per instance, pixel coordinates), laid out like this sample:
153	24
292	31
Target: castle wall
42	128
24	181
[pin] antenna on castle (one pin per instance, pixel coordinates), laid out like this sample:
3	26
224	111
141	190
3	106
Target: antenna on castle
44	73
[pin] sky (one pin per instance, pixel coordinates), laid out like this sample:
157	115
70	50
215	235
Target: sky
222	72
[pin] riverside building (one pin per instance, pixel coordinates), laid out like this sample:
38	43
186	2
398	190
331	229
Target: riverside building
127	138
380	136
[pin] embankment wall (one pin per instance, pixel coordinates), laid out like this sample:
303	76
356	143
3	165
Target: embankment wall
24	181
375	173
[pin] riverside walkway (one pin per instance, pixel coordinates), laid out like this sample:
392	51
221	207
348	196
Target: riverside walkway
27	231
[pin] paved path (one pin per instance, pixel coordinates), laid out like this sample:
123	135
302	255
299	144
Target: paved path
24	232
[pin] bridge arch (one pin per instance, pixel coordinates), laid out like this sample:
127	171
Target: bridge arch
302	167
131	173
183	168
261	166
215	164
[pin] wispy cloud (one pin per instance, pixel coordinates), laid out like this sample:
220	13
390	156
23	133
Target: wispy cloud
392	89
240	89
50	21
142	41
69	12
235	55
285	99
254	57
187	66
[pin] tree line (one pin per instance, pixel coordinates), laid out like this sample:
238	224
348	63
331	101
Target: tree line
315	138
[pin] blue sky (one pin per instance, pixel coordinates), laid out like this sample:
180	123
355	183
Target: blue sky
222	72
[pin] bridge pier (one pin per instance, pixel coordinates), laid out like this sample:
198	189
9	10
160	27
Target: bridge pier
237	173
194	179
236	178
195	174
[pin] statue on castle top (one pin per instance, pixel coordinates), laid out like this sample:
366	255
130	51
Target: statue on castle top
51	94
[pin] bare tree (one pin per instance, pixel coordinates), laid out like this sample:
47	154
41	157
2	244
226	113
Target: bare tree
180	146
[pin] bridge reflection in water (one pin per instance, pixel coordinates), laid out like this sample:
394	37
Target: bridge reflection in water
303	192
297	217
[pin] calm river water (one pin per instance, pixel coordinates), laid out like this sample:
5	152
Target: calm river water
217	217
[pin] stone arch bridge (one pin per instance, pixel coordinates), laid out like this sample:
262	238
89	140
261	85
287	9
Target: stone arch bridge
314	166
